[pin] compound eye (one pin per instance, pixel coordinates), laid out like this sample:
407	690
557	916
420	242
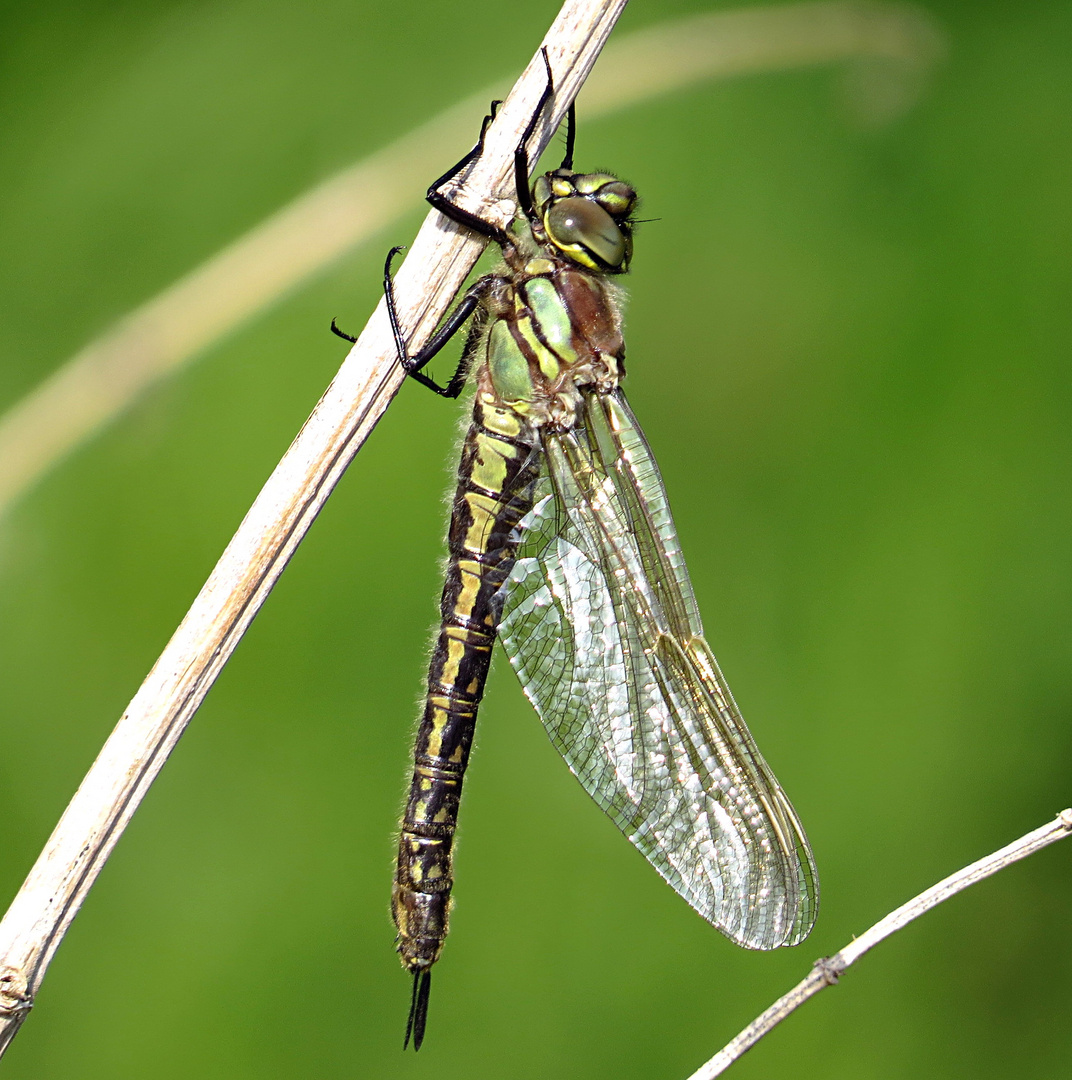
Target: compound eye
577	222
617	198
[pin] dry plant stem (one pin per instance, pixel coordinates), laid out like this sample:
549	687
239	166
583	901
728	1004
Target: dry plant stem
826	972
441	257
321	226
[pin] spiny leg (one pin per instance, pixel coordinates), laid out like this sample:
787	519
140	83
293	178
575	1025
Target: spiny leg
522	179
521	155
456	213
521	171
571	136
478	149
469	305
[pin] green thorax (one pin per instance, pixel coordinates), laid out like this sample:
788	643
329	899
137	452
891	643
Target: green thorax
556	332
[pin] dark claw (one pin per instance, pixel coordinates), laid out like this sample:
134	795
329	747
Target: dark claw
342	333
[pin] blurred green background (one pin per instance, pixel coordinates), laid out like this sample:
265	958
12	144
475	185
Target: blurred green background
849	347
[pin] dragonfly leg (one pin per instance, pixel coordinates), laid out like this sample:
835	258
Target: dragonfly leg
521	168
571	136
456	213
471	156
521	154
469	307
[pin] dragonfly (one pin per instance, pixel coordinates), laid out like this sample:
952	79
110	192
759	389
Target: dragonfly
562	546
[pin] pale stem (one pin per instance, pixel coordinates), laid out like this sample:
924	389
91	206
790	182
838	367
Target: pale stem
827	972
897	44
439	260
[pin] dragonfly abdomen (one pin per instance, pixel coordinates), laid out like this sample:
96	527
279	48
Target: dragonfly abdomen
496	477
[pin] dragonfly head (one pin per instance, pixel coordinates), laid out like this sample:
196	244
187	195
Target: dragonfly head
586	217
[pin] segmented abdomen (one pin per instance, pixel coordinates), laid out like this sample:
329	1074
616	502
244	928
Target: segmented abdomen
496	476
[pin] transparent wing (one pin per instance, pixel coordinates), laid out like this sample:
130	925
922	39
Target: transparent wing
601	626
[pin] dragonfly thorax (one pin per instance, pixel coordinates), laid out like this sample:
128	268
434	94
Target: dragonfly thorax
586	218
555	331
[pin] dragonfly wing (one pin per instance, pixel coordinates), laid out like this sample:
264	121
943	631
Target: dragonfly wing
601	625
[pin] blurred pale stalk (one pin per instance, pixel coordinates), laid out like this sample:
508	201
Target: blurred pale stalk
890	49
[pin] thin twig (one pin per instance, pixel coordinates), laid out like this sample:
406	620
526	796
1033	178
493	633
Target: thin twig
440	258
158	338
827	972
